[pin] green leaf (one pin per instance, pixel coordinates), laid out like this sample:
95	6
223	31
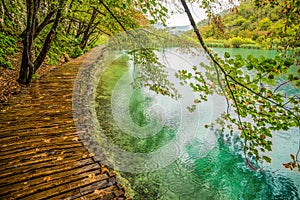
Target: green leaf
267	159
227	55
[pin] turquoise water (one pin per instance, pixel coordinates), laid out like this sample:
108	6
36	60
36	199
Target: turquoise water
204	166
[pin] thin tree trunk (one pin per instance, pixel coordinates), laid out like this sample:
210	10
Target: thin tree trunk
79	29
86	33
69	27
27	66
47	44
6	11
46	21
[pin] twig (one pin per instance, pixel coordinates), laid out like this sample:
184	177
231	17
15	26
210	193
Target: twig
280	85
110	12
200	39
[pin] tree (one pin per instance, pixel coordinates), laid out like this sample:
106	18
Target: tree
258	107
30	64
46	19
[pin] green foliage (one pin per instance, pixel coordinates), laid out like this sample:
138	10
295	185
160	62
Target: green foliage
149	72
8	46
77	51
236	42
264	24
249	46
270	25
252	88
218	45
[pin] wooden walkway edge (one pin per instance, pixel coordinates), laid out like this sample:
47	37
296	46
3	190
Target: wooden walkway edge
41	154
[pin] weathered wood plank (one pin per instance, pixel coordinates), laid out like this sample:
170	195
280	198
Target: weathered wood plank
48	182
75	154
100	180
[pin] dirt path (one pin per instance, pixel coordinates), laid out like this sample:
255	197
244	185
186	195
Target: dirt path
41	155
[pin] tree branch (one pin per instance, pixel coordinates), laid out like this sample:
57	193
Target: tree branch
110	12
45	22
47	44
200	39
101	13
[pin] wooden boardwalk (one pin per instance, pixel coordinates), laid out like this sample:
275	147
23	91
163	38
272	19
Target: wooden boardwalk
41	155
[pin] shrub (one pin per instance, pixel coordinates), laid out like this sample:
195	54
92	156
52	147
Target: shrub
236	42
8	46
245	34
218	45
212	40
76	52
249	41
249	46
227	44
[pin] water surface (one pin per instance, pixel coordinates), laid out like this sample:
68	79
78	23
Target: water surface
205	166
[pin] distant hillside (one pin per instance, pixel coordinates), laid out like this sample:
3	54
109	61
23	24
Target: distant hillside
178	30
249	26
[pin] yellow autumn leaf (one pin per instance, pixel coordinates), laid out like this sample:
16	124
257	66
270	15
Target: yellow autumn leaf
47	141
47	179
59	158
84	156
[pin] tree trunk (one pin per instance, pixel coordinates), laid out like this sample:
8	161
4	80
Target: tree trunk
6	11
46	21
86	33
28	65
79	29
47	44
69	27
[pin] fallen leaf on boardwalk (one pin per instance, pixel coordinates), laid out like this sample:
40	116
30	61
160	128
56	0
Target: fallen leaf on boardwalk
65	137
104	170
97	191
91	176
59	158
47	179
84	156
37	149
75	139
101	193
91	154
47	141
61	153
39	156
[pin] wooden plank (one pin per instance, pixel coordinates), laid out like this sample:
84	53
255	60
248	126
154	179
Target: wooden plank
100	180
76	154
43	169
25	154
49	182
32	141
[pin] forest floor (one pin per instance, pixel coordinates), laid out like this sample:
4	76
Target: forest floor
8	77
